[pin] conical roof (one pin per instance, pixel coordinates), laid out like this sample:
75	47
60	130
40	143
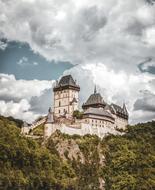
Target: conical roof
94	100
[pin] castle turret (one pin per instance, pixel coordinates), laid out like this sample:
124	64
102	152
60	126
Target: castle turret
95	100
66	96
48	127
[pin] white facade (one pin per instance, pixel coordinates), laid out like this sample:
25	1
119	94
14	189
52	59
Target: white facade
98	121
63	102
79	129
120	122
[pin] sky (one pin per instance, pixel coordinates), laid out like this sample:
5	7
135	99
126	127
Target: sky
110	44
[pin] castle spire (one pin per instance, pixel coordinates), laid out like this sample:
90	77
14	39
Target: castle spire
95	90
124	108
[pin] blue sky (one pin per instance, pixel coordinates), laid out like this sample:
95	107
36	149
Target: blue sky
34	67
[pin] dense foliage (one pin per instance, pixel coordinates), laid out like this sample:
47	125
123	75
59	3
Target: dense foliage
77	114
130	159
91	150
26	165
39	130
63	162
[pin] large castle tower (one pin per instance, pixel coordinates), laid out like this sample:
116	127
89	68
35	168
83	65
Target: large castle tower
66	96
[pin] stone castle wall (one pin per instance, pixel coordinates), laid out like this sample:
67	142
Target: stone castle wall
78	129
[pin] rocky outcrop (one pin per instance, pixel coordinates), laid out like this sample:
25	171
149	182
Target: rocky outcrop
85	154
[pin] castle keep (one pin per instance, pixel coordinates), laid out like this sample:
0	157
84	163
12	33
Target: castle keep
96	117
66	96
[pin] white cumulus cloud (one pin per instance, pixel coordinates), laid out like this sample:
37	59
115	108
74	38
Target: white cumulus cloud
16	95
118	87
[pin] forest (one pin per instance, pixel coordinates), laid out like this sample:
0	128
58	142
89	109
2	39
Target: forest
63	162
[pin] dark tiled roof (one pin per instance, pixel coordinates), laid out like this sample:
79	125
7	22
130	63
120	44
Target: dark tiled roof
67	81
94	99
98	111
119	110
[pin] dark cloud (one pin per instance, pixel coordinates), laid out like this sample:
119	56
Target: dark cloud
146	103
41	104
93	19
148	65
135	27
151	2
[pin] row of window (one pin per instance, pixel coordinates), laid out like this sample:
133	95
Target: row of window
60	104
64	91
98	125
66	95
64	111
98	121
60	92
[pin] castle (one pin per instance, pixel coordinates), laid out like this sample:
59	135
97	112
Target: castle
97	117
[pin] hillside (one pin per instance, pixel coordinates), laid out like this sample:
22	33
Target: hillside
77	163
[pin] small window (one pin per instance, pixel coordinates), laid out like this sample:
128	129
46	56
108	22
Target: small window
59	103
59	111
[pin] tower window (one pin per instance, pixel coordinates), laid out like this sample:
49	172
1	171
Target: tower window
59	111
59	103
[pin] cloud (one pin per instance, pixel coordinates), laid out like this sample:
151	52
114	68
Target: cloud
148	65
18	110
23	61
117	87
107	39
79	31
16	97
35	63
152	2
3	45
150	36
146	103
42	103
